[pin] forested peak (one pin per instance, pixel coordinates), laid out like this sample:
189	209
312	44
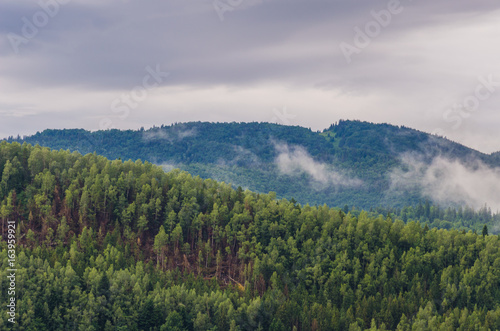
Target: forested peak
496	155
259	138
393	140
357	125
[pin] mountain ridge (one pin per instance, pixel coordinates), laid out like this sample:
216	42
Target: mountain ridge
311	166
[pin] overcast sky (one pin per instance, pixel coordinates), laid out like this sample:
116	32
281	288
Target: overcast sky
96	64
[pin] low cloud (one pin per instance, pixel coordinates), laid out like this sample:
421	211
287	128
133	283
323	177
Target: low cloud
156	134
167	167
242	156
449	181
296	160
171	135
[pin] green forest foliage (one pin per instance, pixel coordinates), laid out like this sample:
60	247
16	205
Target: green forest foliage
461	218
112	245
245	153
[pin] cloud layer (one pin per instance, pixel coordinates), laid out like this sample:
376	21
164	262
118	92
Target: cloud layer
264	55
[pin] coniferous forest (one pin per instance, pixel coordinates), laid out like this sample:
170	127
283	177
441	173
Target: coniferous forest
123	245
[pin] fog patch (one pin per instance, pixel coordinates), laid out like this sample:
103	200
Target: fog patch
171	135
167	167
449	181
296	160
240	157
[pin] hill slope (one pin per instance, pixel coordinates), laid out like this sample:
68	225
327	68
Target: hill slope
354	163
112	245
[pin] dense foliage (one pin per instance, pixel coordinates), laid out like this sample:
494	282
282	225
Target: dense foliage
112	245
461	218
245	154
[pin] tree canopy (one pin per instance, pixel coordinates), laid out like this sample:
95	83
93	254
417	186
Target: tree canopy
114	245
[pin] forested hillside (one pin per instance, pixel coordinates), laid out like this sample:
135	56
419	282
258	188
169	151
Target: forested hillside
113	245
350	163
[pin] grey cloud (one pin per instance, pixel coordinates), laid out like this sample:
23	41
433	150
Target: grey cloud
108	45
105	46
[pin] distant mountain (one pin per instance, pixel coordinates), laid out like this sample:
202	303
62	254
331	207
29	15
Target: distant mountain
351	163
496	157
